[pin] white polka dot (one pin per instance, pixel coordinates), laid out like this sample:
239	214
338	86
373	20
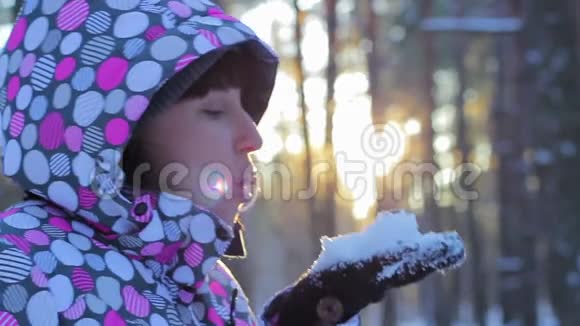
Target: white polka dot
154	229
109	290
144	76
119	265
71	43
195	4
168	48
202	228
29	6
123	4
22	221
184	275
49	7
87	321
82	228
60	192
48	315
29	137
36	33
83	166
172	205
36	211
207	20
6	116
130	24
66	253
202	45
95	262
88	107
146	273
38	108
36	167
12	158
95	304
24	97
208	265
3	69
63	292
157	320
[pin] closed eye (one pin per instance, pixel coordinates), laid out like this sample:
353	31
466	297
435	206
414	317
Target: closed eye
213	113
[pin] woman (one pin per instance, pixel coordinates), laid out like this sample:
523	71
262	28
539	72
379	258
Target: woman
129	125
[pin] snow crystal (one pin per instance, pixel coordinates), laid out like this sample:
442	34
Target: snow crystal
390	231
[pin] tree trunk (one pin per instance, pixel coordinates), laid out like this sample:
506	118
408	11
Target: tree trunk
478	277
511	117
434	294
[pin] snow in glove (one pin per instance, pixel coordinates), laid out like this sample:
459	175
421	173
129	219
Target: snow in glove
356	269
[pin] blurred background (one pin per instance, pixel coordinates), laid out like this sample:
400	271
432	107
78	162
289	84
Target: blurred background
475	120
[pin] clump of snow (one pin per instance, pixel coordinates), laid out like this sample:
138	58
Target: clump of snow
391	230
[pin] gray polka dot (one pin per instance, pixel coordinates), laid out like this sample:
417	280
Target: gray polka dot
62	96
115	101
29	137
83	79
52	41
14	298
38	108
15	60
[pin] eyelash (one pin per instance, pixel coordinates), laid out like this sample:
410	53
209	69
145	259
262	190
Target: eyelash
212	113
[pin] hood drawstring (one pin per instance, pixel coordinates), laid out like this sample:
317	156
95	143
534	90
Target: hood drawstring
232	321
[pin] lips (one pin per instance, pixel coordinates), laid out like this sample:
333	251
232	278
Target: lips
247	187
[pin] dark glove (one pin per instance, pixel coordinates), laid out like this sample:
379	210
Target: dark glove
336	294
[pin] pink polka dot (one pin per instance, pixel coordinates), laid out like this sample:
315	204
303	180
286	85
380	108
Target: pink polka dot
87	198
37	237
154	32
27	65
180	9
194	255
218	289
117	131
135	107
152	249
17	34
218	13
113	319
184	61
60	223
112	73
13	87
16	124
73	138
52	131
214	318
65	68
72	15
240	322
185	296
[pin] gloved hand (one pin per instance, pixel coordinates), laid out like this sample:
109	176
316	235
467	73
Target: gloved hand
355	270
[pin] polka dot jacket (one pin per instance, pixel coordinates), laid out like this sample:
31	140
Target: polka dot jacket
75	77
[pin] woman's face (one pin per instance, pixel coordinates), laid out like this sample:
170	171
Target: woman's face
195	138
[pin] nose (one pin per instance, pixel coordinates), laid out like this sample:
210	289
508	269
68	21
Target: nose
250	139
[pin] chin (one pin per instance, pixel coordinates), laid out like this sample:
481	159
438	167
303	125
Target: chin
227	211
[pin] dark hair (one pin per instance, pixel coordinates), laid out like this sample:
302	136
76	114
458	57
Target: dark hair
223	74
